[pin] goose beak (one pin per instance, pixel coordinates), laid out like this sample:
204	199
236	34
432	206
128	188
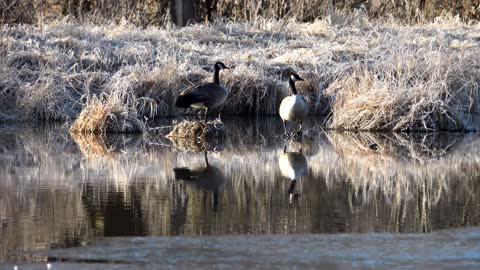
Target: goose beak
225	67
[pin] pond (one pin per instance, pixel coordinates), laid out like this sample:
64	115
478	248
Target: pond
59	190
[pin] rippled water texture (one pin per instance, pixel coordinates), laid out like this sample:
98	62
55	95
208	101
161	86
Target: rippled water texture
62	191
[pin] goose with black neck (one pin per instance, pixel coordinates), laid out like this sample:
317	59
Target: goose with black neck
205	96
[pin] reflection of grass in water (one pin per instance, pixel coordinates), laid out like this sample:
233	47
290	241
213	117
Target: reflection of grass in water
404	159
408	184
404	168
39	201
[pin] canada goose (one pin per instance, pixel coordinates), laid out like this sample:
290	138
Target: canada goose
207	95
209	178
293	165
293	108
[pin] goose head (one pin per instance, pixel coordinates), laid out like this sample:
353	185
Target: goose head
291	81
295	77
220	66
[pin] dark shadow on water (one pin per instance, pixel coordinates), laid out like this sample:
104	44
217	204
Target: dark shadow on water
62	190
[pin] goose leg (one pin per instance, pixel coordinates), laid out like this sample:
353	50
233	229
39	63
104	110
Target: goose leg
206	158
300	128
291	190
206	114
285	126
215	201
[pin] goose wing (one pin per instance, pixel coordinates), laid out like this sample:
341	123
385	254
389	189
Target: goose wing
193	95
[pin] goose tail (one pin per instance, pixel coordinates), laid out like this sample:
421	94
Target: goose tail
183	102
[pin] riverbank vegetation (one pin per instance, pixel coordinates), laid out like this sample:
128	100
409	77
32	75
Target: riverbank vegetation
148	12
366	74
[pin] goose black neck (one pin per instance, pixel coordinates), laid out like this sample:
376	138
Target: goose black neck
216	76
292	86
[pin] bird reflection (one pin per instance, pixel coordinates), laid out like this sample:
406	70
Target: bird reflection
293	165
208	177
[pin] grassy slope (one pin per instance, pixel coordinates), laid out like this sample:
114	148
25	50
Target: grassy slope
373	75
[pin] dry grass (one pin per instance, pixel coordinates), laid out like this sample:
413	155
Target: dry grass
399	88
369	74
109	114
198	130
196	136
146	12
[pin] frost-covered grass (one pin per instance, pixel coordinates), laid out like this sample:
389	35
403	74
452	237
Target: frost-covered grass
108	114
368	75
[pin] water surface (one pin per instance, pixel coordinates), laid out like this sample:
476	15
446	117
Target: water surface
59	190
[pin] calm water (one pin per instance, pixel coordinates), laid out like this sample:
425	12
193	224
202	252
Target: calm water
62	191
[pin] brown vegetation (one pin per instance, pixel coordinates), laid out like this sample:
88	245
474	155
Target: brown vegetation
198	130
110	114
367	74
147	12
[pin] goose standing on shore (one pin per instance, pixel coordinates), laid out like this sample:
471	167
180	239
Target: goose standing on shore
205	96
293	108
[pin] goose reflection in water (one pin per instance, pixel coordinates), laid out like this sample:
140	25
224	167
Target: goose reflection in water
208	178
293	165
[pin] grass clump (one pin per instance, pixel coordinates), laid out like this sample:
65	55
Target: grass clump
108	114
198	130
406	90
197	136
